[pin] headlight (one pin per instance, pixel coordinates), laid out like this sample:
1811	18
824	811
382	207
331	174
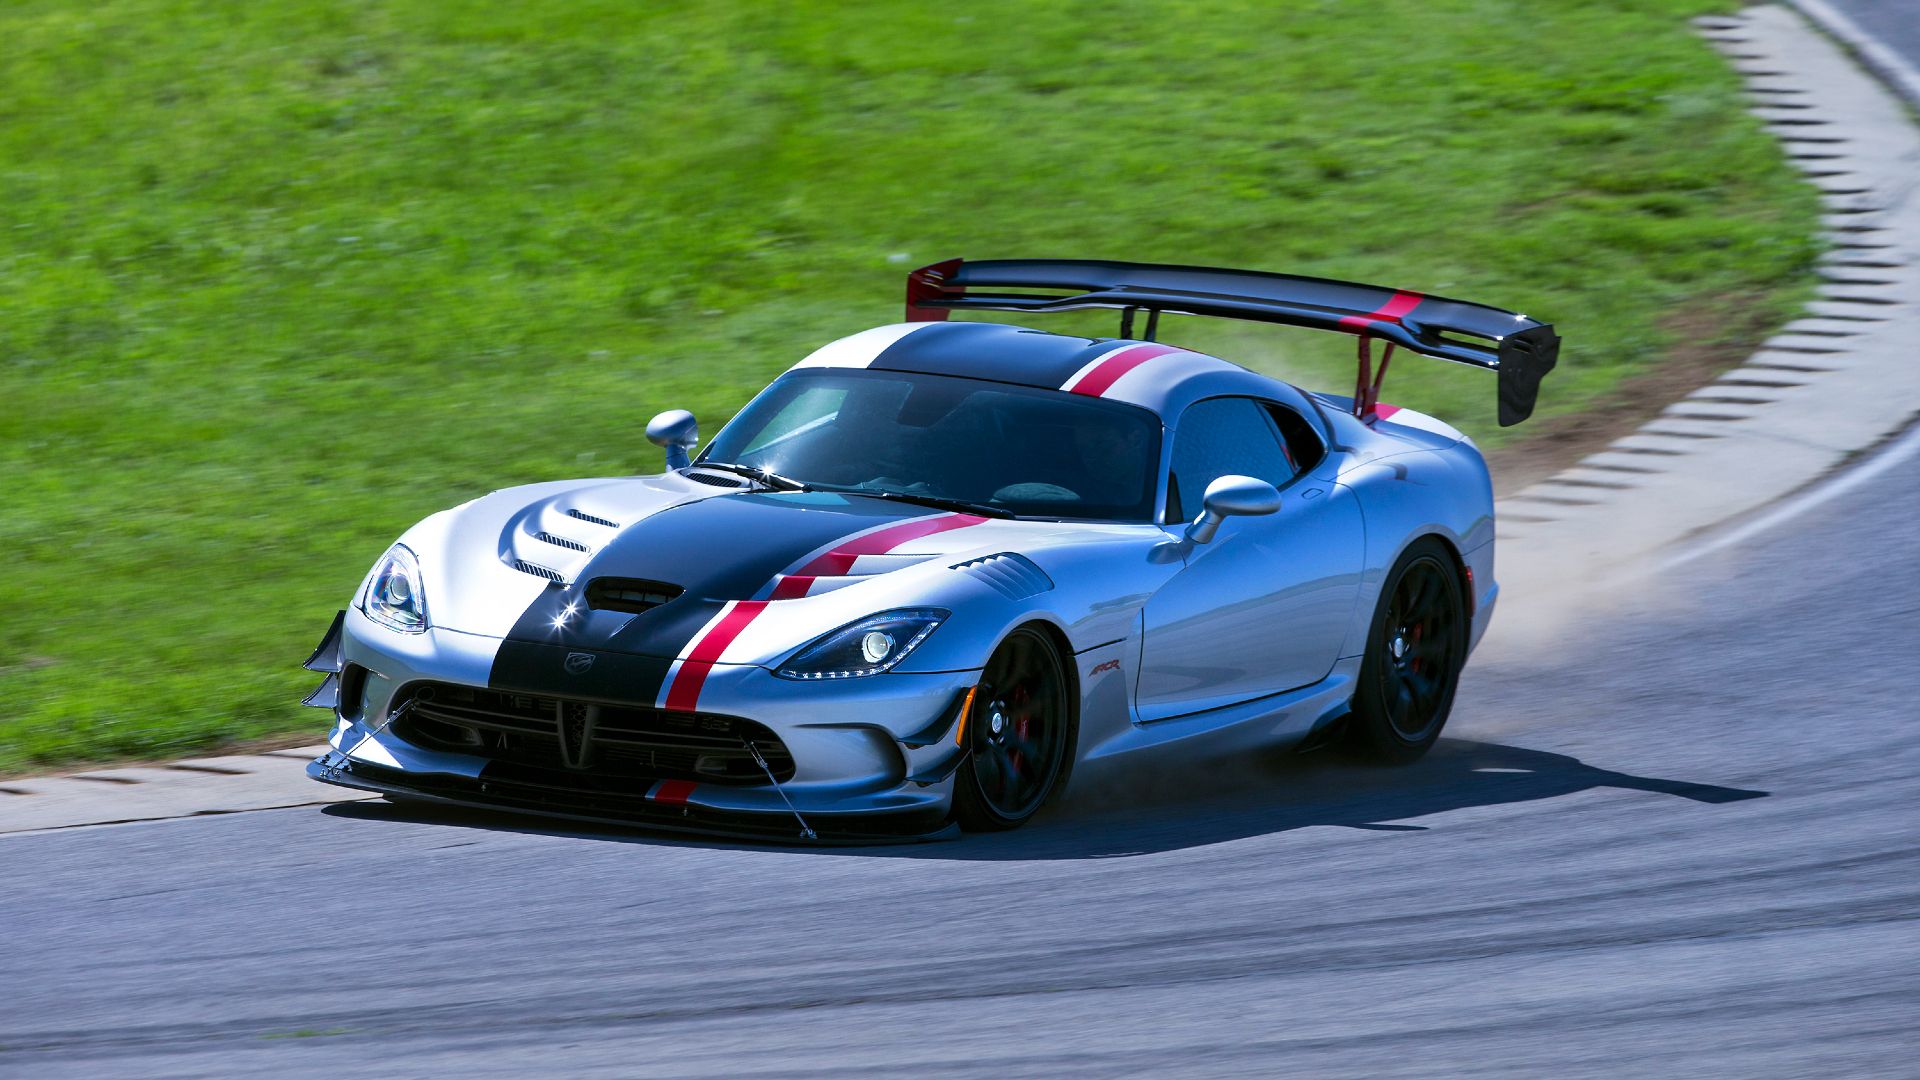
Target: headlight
395	597
867	647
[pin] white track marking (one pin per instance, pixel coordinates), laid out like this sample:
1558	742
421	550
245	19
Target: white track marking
1898	452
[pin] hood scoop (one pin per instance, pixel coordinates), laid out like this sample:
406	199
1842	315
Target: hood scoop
630	595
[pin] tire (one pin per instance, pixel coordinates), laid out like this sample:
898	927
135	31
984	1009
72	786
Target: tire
1416	646
1019	732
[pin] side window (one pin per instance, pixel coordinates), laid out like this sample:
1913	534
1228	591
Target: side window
1302	440
1220	436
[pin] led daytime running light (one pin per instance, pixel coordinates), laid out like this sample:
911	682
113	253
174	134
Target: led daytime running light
868	647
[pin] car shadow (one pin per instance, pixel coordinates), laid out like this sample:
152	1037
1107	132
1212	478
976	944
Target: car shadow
1147	812
1144	814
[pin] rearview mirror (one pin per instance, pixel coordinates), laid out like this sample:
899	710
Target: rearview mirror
1232	495
677	432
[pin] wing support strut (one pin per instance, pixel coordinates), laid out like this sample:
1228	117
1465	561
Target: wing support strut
1366	390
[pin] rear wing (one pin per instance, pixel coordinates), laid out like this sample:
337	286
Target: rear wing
1522	350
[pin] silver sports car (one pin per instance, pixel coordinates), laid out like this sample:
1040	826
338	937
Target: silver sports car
937	568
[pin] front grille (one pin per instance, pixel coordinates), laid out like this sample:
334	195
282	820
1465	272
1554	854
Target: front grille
590	737
631	595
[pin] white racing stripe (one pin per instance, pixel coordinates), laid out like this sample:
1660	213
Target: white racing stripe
1081	375
859	350
681	661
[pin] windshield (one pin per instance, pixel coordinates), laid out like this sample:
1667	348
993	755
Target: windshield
1035	453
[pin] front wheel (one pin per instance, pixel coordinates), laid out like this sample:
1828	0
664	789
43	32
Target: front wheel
1416	646
1018	734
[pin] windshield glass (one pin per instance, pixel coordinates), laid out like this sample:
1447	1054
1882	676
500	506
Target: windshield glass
1035	453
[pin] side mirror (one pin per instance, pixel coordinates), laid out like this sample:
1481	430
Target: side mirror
677	432
1230	495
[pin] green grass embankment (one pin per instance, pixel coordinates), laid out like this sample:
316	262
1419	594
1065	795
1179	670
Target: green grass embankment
279	278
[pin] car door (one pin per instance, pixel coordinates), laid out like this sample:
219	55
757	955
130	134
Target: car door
1264	607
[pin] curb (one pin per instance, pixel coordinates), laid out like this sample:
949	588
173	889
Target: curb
1829	385
232	784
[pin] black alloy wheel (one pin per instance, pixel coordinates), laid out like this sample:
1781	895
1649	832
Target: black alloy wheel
1018	734
1416	647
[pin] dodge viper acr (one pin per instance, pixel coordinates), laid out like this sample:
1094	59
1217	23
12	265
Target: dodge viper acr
938	568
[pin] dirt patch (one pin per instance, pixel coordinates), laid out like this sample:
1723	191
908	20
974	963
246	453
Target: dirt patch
1710	340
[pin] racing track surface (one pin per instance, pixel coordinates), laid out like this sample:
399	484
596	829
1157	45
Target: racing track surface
1893	23
1676	838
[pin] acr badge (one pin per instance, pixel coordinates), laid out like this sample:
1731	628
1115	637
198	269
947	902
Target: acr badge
578	662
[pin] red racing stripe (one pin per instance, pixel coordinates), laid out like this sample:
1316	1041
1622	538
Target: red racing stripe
1384	411
791	586
1392	311
685	694
839	560
1101	379
671	792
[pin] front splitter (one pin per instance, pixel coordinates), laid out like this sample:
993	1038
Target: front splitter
481	793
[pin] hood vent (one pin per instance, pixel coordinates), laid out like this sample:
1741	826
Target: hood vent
631	595
561	541
711	480
526	567
584	516
1012	576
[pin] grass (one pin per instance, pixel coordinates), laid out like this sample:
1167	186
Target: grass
279	278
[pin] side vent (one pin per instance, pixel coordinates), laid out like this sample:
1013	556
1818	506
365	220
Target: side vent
631	595
536	570
584	516
561	541
1013	576
711	480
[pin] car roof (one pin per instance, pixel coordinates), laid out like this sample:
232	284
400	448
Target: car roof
1154	375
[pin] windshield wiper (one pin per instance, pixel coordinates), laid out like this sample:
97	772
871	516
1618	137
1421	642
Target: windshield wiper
937	502
771	479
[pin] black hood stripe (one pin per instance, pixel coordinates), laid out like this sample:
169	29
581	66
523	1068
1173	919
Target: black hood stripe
723	549
992	351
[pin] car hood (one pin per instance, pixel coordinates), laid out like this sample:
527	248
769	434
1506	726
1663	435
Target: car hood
534	564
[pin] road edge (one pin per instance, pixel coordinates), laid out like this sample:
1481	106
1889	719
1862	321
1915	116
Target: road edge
1895	72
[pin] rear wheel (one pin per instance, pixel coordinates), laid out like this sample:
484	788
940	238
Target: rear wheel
1018	734
1416	646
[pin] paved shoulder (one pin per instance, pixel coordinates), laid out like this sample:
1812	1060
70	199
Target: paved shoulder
213	785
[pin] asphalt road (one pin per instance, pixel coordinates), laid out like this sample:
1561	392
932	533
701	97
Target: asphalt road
1894	23
1674	837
